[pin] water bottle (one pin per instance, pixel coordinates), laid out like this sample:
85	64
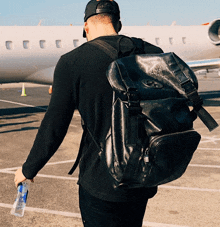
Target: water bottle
20	201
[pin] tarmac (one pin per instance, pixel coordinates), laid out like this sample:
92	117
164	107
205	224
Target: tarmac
191	201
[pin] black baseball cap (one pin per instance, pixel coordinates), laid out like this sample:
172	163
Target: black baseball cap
91	10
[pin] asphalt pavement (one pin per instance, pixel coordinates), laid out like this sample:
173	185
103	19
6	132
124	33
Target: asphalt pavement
193	200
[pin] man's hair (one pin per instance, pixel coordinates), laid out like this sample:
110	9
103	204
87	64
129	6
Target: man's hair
105	18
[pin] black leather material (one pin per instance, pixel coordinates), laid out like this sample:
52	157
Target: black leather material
155	76
127	143
142	148
149	73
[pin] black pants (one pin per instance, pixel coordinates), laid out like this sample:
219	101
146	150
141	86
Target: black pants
98	213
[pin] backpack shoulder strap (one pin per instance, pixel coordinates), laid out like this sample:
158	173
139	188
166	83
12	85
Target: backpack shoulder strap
132	93
116	53
107	48
139	44
84	135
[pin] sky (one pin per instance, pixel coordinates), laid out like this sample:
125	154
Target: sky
133	12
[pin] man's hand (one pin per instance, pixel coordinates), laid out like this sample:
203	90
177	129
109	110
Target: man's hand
19	177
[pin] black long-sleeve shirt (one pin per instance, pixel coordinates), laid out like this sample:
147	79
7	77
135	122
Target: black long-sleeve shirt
80	83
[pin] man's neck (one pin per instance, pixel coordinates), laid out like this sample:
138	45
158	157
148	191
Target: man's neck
102	31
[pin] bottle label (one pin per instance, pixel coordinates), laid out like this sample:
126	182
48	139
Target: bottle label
25	196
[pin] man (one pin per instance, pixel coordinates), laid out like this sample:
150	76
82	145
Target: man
80	83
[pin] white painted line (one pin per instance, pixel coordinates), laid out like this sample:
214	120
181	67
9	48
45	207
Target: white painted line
78	215
74	126
37	107
204	166
153	224
210	139
48	164
57	177
72	161
190	189
22	104
208	149
45	176
61	162
66	214
7	171
45	211
161	186
6	205
10	169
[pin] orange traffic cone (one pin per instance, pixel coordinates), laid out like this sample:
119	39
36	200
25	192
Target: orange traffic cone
50	90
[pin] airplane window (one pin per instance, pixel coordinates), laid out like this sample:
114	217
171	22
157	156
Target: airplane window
58	44
42	44
75	42
26	44
171	40
9	45
157	41
184	40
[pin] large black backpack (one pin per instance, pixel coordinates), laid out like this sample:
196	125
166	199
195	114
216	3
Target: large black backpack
151	139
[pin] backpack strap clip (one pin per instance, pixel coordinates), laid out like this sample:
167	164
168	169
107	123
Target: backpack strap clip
192	94
133	101
194	97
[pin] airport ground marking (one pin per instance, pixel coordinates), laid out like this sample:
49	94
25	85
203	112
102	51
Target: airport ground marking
45	176
57	177
205	166
210	139
22	104
37	107
48	164
60	162
47	211
153	224
11	171
78	215
161	186
72	161
209	149
189	189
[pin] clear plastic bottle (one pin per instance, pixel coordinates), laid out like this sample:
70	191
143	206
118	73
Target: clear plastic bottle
20	201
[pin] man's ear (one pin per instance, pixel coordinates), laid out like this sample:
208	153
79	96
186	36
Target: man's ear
119	26
86	28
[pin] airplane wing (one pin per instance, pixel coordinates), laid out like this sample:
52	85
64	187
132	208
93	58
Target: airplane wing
205	64
44	76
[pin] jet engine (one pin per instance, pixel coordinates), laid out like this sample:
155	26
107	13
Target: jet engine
214	32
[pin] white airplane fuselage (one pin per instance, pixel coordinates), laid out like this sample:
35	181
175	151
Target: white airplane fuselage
26	51
188	42
29	54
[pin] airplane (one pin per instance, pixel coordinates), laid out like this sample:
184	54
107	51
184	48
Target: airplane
30	53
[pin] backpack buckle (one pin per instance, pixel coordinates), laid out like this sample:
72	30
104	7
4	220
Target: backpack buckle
192	94
133	101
